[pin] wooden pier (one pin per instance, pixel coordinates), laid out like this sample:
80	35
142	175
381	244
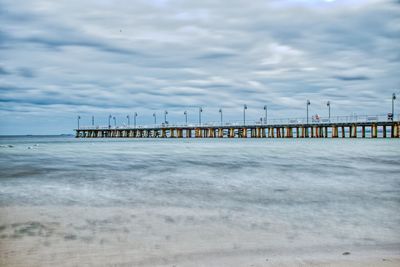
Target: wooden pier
381	129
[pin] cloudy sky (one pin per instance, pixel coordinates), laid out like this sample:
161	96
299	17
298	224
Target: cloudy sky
60	59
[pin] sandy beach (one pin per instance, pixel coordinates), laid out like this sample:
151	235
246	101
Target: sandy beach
79	236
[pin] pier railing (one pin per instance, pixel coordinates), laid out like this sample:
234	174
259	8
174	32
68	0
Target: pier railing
270	122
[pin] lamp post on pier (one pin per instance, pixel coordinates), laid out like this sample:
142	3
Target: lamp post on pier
134	119
220	112
266	114
155	118
200	111
329	109
109	121
129	120
79	118
244	114
165	116
185	113
308	104
393	99
115	121
92	120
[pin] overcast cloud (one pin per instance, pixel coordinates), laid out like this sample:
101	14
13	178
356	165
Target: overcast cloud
60	58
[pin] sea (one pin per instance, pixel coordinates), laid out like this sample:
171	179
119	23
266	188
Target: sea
161	201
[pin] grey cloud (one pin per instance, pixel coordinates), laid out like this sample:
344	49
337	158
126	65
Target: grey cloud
3	71
26	72
351	78
69	57
216	56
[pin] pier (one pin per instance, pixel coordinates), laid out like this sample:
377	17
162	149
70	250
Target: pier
360	127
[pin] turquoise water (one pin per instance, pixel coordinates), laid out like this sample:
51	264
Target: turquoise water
336	191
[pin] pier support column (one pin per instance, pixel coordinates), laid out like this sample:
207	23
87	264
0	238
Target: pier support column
197	133
374	131
343	132
290	132
220	133
287	132
244	133
188	133
363	131
211	132
172	133
179	132
384	131
278	132
307	132
353	131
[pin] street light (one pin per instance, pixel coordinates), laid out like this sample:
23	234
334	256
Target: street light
185	113
329	109
220	112
266	114
79	117
115	122
393	99
109	121
155	118
244	114
129	121
165	116
200	111
92	120
308	103
134	119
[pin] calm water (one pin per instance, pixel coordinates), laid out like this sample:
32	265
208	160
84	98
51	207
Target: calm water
337	191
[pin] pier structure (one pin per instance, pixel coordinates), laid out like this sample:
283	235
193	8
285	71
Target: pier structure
358	128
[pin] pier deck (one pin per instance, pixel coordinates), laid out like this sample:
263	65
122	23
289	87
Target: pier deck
384	129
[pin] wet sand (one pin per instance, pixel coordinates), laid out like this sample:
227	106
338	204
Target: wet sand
134	236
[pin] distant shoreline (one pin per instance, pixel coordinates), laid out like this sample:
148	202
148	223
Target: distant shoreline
38	135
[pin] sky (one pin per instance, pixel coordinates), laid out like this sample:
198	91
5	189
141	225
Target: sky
67	58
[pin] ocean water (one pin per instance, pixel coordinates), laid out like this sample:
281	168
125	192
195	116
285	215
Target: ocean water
228	194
